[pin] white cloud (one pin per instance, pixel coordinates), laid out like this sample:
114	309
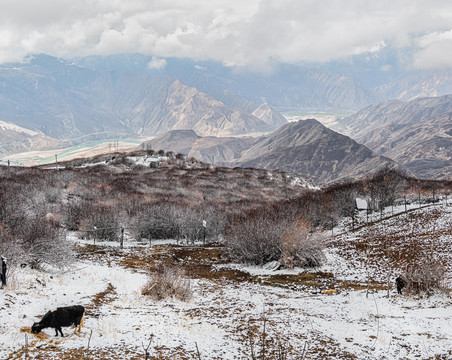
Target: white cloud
435	51
156	63
236	32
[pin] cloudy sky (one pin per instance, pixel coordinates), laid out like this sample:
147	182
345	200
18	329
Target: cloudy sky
235	32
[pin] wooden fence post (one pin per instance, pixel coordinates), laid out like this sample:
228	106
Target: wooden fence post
122	237
3	273
204	225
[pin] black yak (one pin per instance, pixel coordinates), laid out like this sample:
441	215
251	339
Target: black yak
400	283
62	316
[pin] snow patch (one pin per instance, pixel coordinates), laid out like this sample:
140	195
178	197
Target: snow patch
12	127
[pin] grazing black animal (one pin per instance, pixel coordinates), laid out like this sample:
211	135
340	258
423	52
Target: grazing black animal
62	316
400	283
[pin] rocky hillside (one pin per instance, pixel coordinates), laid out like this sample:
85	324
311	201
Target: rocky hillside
269	115
285	87
309	148
306	147
417	134
335	86
152	106
288	87
419	84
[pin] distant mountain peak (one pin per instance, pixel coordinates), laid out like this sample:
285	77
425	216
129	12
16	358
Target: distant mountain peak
269	115
305	147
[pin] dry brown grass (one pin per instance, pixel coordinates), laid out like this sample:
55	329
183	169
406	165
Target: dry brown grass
40	336
170	282
50	351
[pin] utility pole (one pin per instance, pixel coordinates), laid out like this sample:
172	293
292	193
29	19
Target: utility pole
122	237
56	161
8	176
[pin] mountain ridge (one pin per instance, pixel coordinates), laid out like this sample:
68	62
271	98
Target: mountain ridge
306	147
417	133
66	102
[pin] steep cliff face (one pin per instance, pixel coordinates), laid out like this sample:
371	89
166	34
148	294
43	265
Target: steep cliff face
200	112
416	134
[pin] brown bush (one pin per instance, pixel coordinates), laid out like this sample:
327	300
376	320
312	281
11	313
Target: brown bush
253	237
100	221
301	246
168	283
425	278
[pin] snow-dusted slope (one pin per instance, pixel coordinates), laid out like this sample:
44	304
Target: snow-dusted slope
331	320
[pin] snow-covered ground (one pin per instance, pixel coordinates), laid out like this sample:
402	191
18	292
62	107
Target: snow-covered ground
345	323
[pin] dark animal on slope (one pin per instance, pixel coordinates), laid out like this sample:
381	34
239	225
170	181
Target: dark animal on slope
62	316
400	283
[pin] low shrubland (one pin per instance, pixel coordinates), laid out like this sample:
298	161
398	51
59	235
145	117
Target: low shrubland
254	212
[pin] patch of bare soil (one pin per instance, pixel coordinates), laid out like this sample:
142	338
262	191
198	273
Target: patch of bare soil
100	299
203	263
45	352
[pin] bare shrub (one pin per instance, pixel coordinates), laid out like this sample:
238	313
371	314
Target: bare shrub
44	243
264	235
170	282
100	222
37	243
10	247
425	278
253	237
301	246
159	221
73	214
384	188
